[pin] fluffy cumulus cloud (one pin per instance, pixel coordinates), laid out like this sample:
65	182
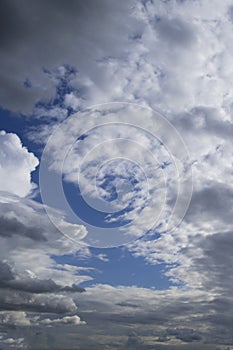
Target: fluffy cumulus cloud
75	320
16	165
14	318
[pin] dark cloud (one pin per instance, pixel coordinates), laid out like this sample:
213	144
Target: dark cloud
11	27
34	295
215	263
174	31
185	334
213	201
46	34
134	341
49	303
34	285
127	304
31	285
73	288
12	226
5	273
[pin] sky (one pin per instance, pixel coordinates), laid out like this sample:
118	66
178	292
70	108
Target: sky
116	197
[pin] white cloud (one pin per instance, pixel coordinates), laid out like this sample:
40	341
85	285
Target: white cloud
16	165
14	318
132	150
103	257
72	320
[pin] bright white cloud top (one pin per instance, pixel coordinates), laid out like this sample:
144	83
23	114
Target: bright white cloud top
16	165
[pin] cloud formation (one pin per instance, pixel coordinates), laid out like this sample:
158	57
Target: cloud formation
16	165
31	283
175	56
75	320
32	28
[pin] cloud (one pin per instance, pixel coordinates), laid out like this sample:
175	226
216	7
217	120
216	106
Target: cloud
189	316
134	342
167	56
123	172
216	254
179	315
5	273
32	28
13	343
72	320
175	31
209	216
25	222
14	318
38	303
172	55
16	165
32	285
33	294
30	280
11	226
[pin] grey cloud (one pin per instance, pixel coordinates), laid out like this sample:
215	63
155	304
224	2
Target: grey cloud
127	304
230	13
12	226
202	120
134	341
162	312
49	303
5	273
34	295
212	201
185	334
41	286
21	219
175	31
216	261
73	288
188	316
23	287
32	285
47	34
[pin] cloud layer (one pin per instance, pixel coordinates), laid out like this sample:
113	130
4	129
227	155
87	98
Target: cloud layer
16	165
58	58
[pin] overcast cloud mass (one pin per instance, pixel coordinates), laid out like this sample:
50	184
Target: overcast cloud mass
116	197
